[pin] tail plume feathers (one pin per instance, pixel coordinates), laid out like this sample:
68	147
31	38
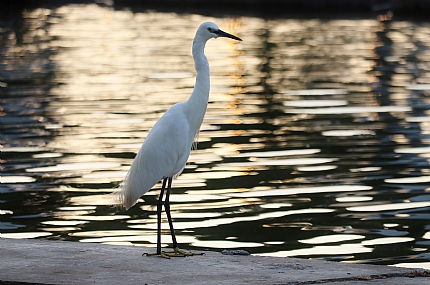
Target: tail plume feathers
123	198
134	186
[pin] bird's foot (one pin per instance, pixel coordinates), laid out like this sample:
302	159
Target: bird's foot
175	253
157	254
180	253
162	254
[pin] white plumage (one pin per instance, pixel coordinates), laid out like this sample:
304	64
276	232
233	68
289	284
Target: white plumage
163	154
167	147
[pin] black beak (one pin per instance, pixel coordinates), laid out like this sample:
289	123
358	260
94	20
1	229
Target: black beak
226	35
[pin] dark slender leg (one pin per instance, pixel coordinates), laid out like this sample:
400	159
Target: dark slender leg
159	209
176	251
169	217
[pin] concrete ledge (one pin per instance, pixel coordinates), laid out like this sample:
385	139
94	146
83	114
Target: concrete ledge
57	262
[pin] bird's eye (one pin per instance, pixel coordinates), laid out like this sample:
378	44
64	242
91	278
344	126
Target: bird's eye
211	30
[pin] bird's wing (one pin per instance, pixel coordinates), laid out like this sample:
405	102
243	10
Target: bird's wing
163	154
173	141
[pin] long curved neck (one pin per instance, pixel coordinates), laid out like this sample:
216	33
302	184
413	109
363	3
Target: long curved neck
198	100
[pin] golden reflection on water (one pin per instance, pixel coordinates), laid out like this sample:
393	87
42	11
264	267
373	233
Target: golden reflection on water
343	249
389	207
331	239
24	235
316	135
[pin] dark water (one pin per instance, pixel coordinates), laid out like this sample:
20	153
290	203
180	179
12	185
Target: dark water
315	144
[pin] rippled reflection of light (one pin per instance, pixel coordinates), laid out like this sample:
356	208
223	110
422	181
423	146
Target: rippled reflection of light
274	162
350	110
316	92
219	174
23	149
215	205
225	244
47	155
53	126
109	233
419	249
195	197
77	208
171	75
354	199
61	229
134	146
210	191
189	180
323	250
25	235
148	238
389	207
304	190
417	179
225	221
105	174
366	169
75	166
294	212
387	240
187	215
315	103
124	121
391	225
203	158
331	238
64	223
274	242
98	218
316	168
16	179
276	153
275	205
413	150
418	87
423	265
419	119
347	133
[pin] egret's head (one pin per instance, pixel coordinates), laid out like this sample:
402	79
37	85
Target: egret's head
210	30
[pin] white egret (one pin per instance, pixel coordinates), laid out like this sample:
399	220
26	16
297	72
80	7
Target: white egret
166	149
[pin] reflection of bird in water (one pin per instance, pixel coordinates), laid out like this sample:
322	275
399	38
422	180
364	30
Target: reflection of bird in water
167	147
